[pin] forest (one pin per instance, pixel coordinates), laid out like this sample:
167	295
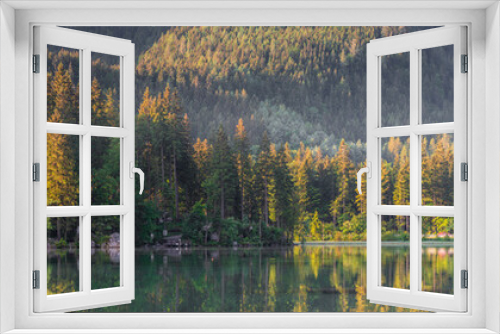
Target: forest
247	135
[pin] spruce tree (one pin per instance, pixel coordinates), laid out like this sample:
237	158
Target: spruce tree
242	151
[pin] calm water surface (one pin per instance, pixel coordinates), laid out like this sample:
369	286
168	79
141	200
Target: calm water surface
306	278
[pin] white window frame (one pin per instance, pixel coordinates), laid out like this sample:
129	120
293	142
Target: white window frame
483	100
413	44
86	44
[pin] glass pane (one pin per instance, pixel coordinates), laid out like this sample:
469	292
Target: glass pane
105	252
437	84
105	89
63	165
63	88
437	254
395	89
395	172
63	266
105	171
395	252
437	170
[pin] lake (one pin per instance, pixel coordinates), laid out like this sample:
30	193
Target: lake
303	278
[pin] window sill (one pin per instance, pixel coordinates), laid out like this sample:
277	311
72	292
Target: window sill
253	331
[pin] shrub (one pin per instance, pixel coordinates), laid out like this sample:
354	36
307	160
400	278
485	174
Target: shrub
395	236
146	217
229	231
61	243
193	225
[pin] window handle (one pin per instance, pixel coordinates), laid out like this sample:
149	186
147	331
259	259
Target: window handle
368	171
139	171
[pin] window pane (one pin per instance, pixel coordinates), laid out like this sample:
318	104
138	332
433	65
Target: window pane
63	267
63	179
437	170
395	252
105	90
105	171
105	252
437	254
437	84
395	172
63	75
395	89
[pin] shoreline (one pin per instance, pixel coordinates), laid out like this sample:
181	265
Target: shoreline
362	243
294	244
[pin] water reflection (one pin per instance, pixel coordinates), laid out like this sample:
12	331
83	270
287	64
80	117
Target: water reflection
395	265
330	278
63	273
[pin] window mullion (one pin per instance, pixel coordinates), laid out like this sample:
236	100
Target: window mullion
414	172
81	236
86	169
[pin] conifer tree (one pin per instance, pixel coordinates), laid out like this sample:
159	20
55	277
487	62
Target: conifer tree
264	167
285	213
299	174
223	172
316	227
402	185
242	151
62	155
343	204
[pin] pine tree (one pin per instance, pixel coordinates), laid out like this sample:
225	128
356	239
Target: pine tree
316	227
62	154
343	204
201	155
285	191
299	174
96	101
223	172
264	167
62	96
242	151
387	183
402	185
110	111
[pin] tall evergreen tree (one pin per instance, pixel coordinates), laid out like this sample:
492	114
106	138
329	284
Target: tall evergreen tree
223	172
264	167
343	204
242	151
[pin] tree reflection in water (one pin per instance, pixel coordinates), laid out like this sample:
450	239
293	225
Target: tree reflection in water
308	278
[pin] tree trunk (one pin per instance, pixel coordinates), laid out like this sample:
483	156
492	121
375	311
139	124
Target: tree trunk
58	225
266	287
222	201
266	213
162	168
222	290
260	229
176	188
242	198
206	233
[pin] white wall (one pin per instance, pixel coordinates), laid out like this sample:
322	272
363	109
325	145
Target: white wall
7	164
492	145
477	128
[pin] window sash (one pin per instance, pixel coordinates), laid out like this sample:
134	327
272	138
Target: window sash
87	43
414	298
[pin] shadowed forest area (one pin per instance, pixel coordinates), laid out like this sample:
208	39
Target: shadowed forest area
247	135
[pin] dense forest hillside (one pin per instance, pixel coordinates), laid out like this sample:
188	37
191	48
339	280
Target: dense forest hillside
300	84
246	134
